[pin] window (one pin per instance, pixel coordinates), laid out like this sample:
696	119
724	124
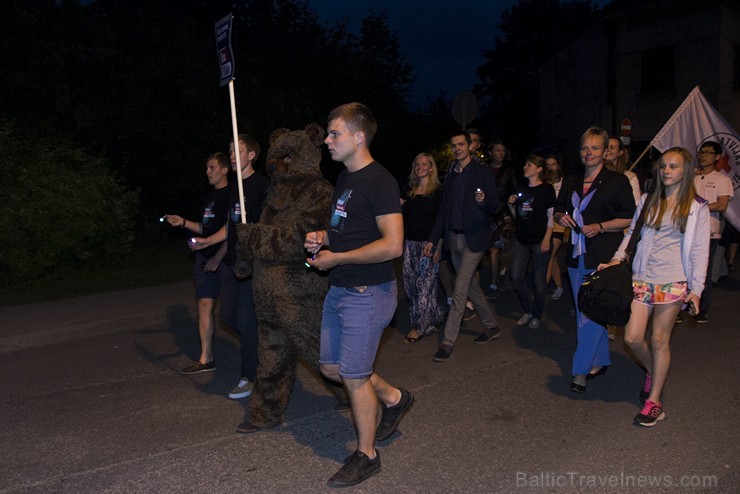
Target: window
658	70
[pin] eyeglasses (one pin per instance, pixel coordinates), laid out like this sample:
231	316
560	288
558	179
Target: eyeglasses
705	153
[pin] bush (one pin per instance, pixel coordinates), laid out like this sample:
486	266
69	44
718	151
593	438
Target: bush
63	208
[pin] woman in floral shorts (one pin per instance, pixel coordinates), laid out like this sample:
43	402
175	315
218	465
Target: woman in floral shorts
676	227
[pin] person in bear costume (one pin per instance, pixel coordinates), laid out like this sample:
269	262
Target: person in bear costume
288	296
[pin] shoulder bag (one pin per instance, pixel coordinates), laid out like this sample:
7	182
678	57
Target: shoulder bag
605	296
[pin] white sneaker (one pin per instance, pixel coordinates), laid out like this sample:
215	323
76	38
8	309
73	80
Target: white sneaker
242	390
524	320
557	293
534	323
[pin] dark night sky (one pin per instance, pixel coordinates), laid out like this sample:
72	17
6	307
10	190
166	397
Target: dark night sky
443	40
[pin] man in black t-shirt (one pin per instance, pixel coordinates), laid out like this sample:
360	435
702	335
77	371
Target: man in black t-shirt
208	261
364	236
237	301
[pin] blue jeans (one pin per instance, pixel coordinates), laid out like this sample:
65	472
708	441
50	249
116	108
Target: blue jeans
593	340
353	322
237	311
520	256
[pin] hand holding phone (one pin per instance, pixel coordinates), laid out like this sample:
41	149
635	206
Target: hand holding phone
480	196
576	229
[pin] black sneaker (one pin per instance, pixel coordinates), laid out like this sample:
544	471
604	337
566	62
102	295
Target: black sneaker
392	416
492	292
357	468
249	428
469	314
488	335
198	367
443	354
701	318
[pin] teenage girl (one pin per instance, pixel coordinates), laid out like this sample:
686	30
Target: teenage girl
676	228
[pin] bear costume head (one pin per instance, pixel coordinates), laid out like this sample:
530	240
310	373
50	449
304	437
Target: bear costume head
295	152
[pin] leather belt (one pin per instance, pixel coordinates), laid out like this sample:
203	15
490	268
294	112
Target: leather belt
456	231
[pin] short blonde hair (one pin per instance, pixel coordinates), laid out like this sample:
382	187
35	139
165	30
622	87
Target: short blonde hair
596	132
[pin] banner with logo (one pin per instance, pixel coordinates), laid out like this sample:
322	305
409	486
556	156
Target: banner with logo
695	122
223	49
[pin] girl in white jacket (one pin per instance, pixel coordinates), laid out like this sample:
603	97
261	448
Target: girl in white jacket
676	226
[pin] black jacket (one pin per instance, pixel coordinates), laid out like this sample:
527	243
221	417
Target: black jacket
475	217
612	199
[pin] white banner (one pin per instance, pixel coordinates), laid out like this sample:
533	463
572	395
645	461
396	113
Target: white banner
695	122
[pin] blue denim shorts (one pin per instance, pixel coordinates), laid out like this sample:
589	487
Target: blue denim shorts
353	322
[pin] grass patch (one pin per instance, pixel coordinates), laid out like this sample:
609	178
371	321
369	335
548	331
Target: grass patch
156	265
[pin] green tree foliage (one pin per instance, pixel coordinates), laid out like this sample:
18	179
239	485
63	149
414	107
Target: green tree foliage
63	209
437	125
290	70
125	80
137	82
96	89
278	47
160	110
532	31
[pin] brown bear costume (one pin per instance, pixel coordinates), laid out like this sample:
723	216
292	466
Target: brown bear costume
288	296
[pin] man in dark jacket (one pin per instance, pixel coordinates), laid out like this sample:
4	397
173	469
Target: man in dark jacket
470	197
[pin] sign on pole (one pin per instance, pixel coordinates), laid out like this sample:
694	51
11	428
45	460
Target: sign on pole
223	49
226	62
464	108
626	127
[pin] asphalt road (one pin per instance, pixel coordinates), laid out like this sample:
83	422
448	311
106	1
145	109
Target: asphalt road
91	402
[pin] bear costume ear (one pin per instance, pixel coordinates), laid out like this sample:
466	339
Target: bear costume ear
315	133
277	133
